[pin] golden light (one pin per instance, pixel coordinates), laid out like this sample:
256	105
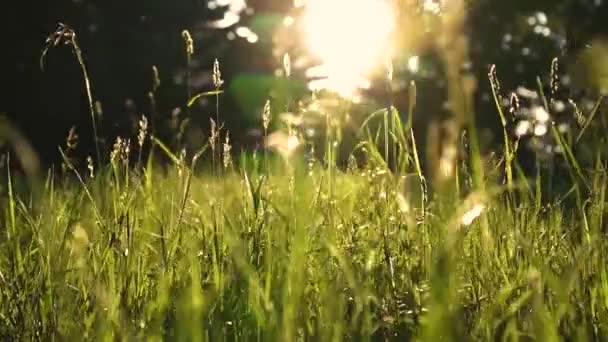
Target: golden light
350	37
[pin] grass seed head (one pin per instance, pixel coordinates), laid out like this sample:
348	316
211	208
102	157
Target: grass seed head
120	150
266	115
63	35
155	78
213	137
554	76
494	80
580	118
115	150
143	131
217	75
515	105
90	167
71	141
227	156
181	162
189	42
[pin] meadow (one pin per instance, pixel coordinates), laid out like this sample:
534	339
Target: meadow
288	247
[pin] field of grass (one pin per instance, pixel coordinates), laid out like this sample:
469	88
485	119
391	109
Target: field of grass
297	251
271	248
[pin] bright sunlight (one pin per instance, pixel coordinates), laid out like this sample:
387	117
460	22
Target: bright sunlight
350	38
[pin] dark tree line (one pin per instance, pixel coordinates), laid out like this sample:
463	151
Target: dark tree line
122	40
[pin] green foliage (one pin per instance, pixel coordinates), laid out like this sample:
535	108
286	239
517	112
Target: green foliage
292	249
298	253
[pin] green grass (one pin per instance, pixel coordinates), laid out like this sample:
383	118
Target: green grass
288	250
297	254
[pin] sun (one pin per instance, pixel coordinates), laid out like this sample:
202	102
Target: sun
350	37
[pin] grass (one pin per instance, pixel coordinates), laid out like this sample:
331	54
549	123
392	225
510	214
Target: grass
157	253
283	249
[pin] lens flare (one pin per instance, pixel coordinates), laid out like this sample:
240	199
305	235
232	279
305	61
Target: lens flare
350	37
